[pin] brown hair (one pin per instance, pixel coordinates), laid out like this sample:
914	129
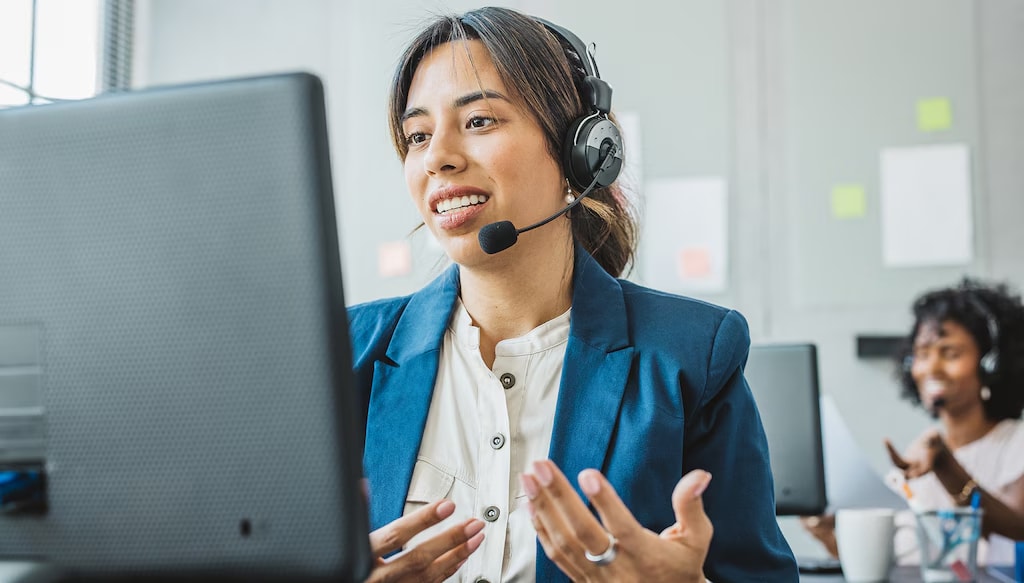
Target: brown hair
544	75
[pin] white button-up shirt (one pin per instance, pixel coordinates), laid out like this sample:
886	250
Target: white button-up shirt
483	430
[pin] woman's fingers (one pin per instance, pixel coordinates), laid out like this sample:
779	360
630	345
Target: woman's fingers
460	534
567	530
435	559
439	557
559	552
394	535
688	504
823	528
897	459
614	514
563	512
821	521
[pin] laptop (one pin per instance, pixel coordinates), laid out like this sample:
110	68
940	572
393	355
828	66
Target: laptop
176	391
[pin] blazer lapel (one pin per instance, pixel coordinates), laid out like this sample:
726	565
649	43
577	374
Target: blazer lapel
593	382
597	363
400	396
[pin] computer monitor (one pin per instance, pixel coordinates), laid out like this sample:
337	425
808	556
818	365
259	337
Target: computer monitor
784	381
174	355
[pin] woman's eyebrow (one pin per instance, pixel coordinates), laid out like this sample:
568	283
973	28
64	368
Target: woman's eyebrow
477	96
458	103
413	112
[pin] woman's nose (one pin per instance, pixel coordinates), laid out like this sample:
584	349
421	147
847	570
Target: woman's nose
926	364
444	154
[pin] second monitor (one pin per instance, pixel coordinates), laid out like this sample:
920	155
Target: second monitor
784	381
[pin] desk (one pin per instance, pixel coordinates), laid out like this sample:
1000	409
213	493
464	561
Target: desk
898	575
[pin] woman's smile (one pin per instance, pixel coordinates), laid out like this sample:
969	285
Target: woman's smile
455	206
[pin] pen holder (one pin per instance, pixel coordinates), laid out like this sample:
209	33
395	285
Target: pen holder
948	539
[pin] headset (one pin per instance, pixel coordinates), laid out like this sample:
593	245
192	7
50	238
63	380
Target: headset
989	363
592	152
591	138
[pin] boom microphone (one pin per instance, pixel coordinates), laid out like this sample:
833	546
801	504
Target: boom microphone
496	237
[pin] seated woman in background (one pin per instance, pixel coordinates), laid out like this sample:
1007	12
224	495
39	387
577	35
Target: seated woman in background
964	364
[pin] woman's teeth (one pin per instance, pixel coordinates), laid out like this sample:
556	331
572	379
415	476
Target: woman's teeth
933	387
459	202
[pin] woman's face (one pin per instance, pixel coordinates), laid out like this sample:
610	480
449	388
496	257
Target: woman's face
945	366
475	157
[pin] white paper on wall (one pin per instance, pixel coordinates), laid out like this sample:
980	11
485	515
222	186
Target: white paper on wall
926	206
685	235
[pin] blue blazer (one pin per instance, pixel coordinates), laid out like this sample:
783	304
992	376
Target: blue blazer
652	387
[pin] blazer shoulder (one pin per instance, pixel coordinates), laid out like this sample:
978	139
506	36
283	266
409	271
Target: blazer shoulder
687	329
656	309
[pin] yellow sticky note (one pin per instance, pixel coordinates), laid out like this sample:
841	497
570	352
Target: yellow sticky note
694	263
394	259
934	114
848	201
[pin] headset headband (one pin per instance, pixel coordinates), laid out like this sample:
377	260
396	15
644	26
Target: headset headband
589	65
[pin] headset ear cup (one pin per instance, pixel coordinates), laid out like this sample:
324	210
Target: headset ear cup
906	371
586	145
988	366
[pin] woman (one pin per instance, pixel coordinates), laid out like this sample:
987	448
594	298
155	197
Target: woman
964	364
538	351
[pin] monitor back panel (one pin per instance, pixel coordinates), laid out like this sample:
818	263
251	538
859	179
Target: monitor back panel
784	381
173	344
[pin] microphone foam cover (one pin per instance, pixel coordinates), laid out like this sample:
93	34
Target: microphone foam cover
496	237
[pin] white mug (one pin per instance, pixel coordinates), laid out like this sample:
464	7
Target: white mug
864	538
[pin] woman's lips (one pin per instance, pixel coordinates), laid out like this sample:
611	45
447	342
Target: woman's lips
458	218
934	389
468	201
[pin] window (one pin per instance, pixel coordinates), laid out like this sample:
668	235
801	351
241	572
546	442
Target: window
56	49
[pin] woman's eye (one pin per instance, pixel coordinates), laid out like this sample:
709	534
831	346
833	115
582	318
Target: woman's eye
415	138
478	122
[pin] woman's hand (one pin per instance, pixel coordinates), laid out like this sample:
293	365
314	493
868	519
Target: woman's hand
436	558
568	532
823	528
923	455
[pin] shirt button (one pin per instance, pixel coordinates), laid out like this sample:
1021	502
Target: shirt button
508	381
497	441
491	513
482	580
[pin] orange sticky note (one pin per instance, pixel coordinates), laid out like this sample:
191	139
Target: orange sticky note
394	259
694	263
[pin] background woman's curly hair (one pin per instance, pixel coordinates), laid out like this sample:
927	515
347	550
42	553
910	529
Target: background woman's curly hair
967	304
